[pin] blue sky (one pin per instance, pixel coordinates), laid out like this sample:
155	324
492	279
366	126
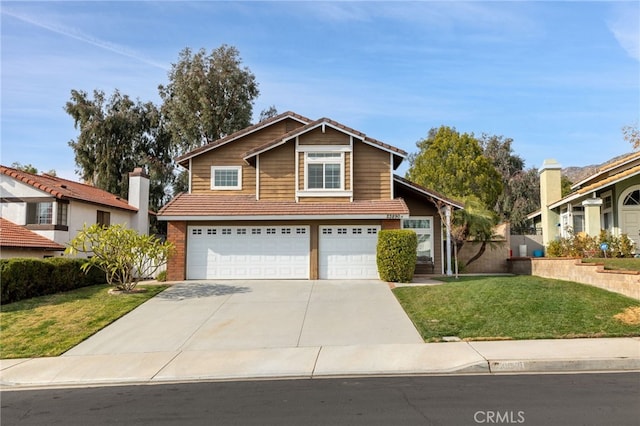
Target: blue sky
560	78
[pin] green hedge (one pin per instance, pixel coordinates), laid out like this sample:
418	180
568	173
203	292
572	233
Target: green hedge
397	255
24	278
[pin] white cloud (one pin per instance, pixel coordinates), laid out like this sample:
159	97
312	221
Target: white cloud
625	26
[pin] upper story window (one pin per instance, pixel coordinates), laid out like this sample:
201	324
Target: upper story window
324	170
40	213
226	177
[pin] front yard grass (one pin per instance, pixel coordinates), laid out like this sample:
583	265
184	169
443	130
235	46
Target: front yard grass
623	264
518	307
51	325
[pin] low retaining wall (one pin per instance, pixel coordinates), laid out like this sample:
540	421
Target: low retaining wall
570	269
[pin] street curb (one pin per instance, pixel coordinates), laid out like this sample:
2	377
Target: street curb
556	366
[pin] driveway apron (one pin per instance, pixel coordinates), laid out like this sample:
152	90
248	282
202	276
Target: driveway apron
254	314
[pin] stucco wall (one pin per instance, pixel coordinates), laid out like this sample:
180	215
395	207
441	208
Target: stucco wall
569	269
493	260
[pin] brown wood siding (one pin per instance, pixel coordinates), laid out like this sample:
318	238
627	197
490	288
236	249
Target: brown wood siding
371	173
329	137
301	171
277	173
231	154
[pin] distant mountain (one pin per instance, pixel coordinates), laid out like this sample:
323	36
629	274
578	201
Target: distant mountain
576	174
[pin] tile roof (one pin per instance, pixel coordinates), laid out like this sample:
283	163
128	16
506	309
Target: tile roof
204	205
240	133
608	167
316	124
16	236
601	184
68	189
604	182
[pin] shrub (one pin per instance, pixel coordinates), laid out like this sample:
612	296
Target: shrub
397	255
582	245
24	278
162	277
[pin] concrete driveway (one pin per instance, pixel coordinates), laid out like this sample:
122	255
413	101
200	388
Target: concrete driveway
252	314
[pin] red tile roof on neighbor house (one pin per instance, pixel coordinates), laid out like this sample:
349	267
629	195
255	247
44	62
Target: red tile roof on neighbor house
67	189
16	236
246	206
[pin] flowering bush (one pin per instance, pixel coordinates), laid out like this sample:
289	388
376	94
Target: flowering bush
583	245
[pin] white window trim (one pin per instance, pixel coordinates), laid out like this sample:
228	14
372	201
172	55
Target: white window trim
423	231
319	192
226	188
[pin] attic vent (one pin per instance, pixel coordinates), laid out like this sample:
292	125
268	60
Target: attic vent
63	186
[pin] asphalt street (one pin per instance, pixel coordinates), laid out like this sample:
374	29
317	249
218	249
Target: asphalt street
553	399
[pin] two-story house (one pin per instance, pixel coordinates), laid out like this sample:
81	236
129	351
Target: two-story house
40	208
296	198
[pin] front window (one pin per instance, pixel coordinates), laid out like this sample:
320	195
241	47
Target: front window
226	177
40	213
423	227
324	170
103	218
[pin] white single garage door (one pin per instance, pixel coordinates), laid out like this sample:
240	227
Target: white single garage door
348	252
248	252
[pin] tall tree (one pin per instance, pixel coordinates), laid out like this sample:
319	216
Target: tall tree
267	113
454	165
118	134
521	194
208	97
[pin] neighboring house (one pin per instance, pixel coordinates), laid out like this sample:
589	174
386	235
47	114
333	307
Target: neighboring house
606	200
18	241
295	198
56	209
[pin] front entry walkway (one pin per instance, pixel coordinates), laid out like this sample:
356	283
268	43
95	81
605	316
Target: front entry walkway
255	314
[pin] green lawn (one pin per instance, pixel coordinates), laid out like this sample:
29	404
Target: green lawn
518	307
628	264
51	325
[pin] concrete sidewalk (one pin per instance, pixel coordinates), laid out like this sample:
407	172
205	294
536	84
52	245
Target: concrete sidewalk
575	355
221	330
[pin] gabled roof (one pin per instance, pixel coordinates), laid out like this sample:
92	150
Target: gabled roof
246	207
16	236
611	180
608	168
400	154
240	133
67	189
428	192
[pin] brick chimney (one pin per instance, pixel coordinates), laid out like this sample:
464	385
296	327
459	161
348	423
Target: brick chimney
139	198
550	192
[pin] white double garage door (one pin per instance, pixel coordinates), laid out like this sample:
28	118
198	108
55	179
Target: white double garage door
270	252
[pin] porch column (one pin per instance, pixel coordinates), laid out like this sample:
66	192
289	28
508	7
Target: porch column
447	214
592	216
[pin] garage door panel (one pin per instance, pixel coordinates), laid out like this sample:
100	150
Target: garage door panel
348	252
248	252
